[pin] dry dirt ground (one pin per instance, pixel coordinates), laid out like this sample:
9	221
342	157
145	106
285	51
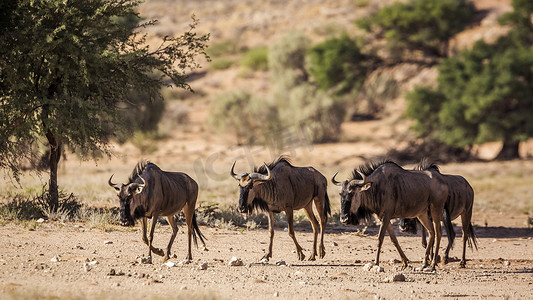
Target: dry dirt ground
502	267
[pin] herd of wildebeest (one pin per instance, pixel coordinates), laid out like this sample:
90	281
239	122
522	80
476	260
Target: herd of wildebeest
384	189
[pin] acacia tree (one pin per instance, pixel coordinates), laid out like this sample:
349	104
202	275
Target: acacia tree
483	94
423	25
65	68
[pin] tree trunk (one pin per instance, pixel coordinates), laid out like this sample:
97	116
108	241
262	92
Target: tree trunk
55	155
509	151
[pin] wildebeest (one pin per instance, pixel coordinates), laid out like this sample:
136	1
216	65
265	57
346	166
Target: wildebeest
389	191
280	186
460	202
151	193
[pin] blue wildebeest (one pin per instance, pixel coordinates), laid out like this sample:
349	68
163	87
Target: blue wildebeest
460	202
280	186
389	191
151	193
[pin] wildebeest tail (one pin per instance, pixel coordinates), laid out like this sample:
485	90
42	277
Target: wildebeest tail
472	237
327	207
196	231
448	226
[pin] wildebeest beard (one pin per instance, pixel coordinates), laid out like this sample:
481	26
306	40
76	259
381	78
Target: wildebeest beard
125	214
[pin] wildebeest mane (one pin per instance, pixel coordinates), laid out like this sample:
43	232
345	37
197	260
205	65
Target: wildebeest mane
427	165
369	168
138	170
279	160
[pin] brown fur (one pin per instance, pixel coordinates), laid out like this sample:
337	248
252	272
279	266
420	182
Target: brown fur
151	193
289	188
389	191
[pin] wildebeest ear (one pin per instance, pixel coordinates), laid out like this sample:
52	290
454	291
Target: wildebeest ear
366	186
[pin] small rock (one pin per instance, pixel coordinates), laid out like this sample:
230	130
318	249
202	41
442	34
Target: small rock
281	263
55	259
87	267
94	262
378	269
112	272
334	244
357	261
169	264
203	266
79	247
234	261
276	294
40	220
397	278
368	266
394	261
108	242
298	273
507	263
257	281
304	283
286	229
184	262
183	288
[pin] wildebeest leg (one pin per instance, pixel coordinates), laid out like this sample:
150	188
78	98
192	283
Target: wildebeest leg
290	222
144	225
189	214
311	216
174	227
319	205
394	240
384	225
271	233
425	221
424	239
465	221
436	215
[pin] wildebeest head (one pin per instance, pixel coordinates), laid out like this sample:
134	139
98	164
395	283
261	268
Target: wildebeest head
248	183
408	225
125	193
351	197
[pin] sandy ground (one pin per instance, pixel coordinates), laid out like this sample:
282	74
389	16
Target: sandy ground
502	267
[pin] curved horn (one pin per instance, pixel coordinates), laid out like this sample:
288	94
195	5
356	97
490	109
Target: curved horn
262	177
360	181
335	182
111	184
144	182
232	172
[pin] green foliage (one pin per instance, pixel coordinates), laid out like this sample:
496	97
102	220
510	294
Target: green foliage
286	61
483	95
424	25
222	48
256	59
300	103
314	111
251	119
67	68
338	62
221	63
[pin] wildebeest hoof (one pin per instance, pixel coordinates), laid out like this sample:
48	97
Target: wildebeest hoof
301	256
158	251
146	260
312	257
